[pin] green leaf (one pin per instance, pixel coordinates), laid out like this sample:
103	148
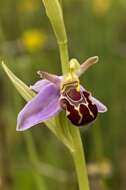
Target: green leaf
22	88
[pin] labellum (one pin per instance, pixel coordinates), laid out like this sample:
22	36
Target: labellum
77	103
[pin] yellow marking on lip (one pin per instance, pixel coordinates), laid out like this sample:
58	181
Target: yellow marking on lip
90	112
81	117
80	114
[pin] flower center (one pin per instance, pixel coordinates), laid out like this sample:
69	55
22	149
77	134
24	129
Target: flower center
73	94
71	79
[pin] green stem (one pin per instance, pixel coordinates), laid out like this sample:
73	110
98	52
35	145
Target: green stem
34	161
79	161
63	48
78	154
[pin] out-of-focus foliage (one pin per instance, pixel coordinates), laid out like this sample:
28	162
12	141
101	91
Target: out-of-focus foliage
27	44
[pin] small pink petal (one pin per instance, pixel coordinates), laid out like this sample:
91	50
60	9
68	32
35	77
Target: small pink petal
101	107
39	85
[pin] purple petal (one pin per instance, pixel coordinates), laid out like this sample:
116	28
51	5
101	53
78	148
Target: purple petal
42	107
101	107
39	85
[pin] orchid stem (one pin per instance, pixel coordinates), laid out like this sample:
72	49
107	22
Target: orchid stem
79	160
63	48
78	154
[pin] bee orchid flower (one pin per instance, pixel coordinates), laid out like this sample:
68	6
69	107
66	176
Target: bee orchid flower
61	93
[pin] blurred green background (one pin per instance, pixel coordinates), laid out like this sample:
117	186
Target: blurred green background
27	44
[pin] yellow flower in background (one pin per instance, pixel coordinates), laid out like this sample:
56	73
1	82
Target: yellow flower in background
33	39
28	5
101	7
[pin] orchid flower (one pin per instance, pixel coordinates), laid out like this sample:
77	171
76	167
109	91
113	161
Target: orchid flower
61	93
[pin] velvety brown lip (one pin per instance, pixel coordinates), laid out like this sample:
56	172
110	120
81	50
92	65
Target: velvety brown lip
79	108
